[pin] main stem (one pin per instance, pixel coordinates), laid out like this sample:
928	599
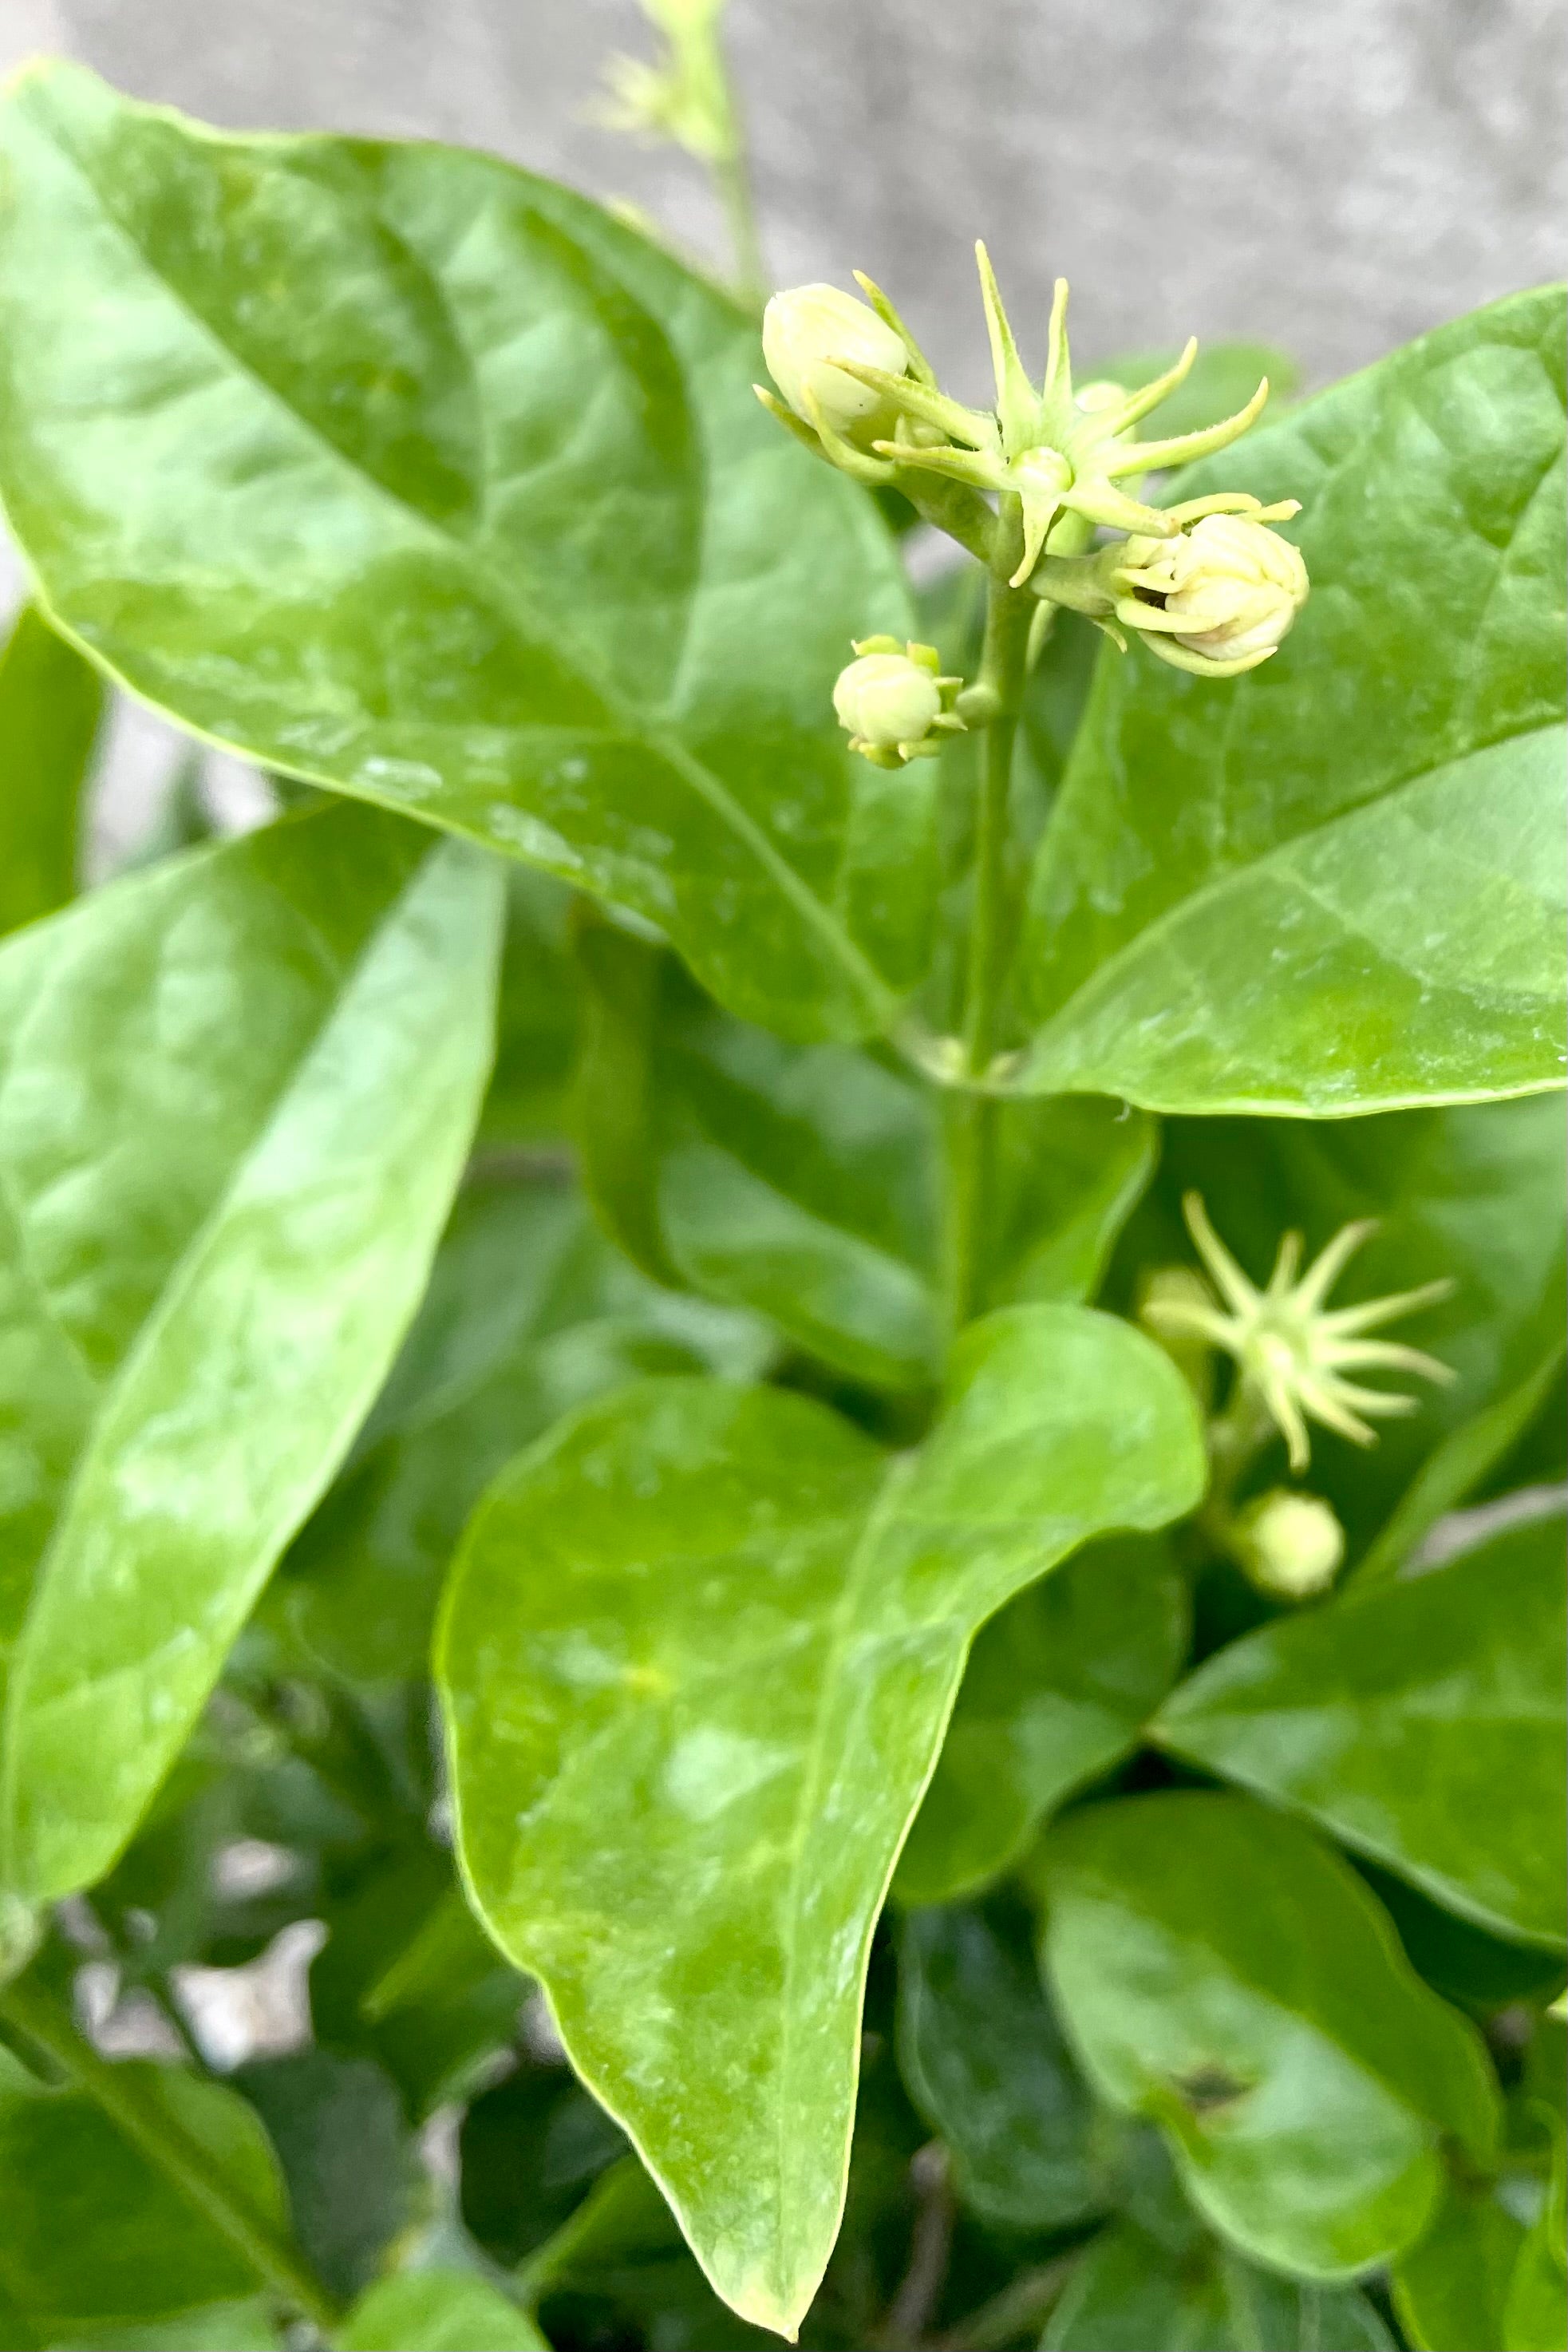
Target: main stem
971	1113
181	2159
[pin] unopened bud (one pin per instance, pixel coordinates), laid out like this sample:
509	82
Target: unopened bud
894	702
1230	587
1289	1544
1168	1297
805	330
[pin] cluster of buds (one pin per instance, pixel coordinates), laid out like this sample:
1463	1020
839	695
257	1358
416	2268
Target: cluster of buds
894	702
1216	600
1293	1352
1209	582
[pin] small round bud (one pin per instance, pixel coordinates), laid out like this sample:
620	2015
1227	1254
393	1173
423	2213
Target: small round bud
1101	393
805	330
894	702
1233	584
887	700
1289	1544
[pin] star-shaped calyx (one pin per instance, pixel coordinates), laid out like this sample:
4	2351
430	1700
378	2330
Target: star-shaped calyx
1293	1351
1057	453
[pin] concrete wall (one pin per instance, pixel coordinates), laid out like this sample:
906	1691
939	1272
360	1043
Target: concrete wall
1335	174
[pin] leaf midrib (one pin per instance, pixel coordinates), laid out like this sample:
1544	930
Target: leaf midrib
633	726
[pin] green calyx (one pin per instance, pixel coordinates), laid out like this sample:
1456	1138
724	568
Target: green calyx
1292	1351
1062	456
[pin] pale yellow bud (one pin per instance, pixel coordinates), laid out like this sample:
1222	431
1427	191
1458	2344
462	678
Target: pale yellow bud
1232	584
1289	1544
805	330
1099	394
895	702
886	700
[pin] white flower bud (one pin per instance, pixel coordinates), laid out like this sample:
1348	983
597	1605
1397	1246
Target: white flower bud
1233	585
805	330
1289	1544
887	700
895	701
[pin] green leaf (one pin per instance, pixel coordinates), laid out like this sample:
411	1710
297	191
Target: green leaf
436	2311
464	504
804	1182
528	1313
1535	2317
986	2065
801	1183
1057	1690
354	2177
1450	2289
1477	1970
694	1874
1395	1715
532	2147
1332	885
91	2236
50	704
249	2327
536	1019
401	1980
1219	1968
237	1093
1472	1195
1129	2290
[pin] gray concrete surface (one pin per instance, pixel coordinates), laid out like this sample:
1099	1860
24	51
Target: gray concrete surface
1331	175
1334	173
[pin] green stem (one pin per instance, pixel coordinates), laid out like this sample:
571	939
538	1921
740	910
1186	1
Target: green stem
161	2140
732	175
971	1114
538	2271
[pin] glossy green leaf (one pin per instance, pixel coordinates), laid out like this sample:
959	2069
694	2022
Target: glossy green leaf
1219	1968
92	2238
408	1977
249	2327
1129	2291
1057	1690
1333	884
1450	2290
464	504
50	704
1469	1966
1535	2314
236	1093
436	2311
536	1009
801	1183
699	1650
986	2065
1472	1195
353	2174
532	2147
1394	1715
805	1183
1535	2317
1457	1465
528	1313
